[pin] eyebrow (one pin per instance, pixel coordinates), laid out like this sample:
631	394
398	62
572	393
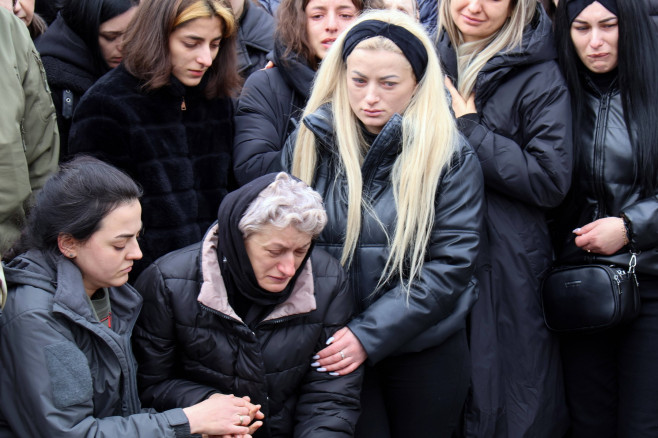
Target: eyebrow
358	73
600	21
198	38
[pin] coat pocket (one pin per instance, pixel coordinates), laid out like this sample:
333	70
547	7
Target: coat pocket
69	373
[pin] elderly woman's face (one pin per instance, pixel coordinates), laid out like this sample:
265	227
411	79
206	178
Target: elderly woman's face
276	254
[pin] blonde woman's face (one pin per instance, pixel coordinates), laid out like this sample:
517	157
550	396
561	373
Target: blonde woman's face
380	83
479	19
325	21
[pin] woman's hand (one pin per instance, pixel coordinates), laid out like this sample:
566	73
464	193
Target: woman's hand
603	236
343	355
224	415
459	105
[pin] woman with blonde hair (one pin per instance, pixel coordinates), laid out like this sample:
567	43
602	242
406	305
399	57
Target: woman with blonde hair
403	194
512	104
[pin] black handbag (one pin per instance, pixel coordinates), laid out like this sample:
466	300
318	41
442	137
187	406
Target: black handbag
592	297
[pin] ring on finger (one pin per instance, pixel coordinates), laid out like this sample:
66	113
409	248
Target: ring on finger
240	417
342	355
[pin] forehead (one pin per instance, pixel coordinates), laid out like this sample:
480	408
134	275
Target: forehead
378	61
207	26
400	4
329	4
594	12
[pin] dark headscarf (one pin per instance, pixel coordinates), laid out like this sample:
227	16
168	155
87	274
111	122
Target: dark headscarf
251	302
575	7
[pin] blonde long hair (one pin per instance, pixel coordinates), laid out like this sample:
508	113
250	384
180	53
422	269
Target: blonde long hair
471	57
429	140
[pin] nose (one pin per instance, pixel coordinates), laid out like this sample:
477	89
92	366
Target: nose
17	7
287	265
474	6
205	57
332	22
135	252
120	43
596	41
372	96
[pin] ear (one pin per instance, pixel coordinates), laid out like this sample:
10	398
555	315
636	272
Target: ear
67	245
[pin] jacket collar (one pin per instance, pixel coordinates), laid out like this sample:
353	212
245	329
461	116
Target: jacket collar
213	292
383	151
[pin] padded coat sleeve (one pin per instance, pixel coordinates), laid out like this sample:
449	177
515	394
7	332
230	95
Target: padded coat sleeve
328	406
537	172
155	345
47	387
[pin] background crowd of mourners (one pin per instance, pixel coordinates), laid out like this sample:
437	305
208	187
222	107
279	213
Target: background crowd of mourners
323	218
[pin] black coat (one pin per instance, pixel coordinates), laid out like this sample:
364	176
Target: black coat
181	158
190	343
255	38
70	70
522	136
271	103
603	185
438	302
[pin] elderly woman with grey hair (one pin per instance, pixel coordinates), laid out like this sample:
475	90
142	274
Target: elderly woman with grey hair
244	311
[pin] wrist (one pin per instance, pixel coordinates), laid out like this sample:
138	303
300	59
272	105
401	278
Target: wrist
625	231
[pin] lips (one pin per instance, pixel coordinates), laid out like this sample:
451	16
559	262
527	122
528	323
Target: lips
328	41
372	112
471	20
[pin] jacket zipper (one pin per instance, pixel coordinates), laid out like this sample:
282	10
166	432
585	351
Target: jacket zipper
183	107
598	165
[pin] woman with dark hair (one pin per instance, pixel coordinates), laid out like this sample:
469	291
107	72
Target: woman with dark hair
65	331
82	44
512	105
165	116
607	50
243	311
273	99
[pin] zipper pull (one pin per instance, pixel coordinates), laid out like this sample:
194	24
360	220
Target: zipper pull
183	107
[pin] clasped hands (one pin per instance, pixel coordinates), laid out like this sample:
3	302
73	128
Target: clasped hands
224	416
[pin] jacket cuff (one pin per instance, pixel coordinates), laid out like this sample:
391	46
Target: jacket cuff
467	123
179	422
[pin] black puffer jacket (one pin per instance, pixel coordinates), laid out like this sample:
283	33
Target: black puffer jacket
603	185
70	70
271	103
439	301
255	38
190	343
653	11
181	158
522	136
64	373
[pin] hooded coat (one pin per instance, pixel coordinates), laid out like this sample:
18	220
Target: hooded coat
388	323
173	141
190	342
64	373
70	71
255	38
522	137
269	108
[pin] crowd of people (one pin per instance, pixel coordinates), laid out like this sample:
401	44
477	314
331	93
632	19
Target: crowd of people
323	218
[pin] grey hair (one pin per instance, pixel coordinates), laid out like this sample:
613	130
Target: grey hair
285	202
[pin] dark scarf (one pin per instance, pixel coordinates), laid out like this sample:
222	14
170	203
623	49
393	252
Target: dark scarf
251	302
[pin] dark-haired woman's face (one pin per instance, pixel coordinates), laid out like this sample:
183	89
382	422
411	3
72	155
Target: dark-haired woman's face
110	37
193	47
325	21
595	36
107	257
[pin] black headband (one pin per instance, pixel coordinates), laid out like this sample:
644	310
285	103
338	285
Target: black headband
412	48
575	7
